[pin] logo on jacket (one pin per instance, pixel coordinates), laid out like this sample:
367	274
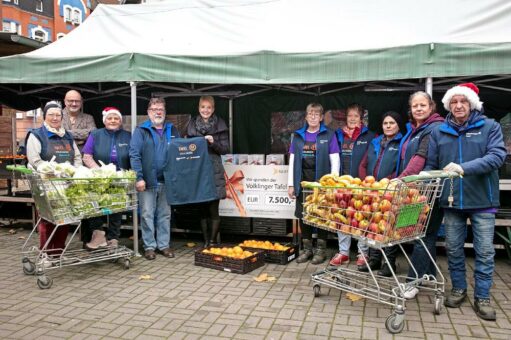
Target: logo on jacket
470	134
192	147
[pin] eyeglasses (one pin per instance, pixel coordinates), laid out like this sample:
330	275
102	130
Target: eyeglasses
313	114
156	110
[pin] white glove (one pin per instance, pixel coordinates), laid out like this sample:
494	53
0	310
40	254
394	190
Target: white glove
453	167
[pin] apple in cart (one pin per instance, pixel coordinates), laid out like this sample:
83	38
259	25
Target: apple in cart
354	223
370	236
390	217
342	204
359	216
364	224
377	217
412	192
375	206
350	212
366	210
420	199
346	229
385	205
358	204
388	195
370	179
373	227
382	226
425	209
379	238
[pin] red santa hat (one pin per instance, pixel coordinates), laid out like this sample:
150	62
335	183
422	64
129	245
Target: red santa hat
111	110
469	90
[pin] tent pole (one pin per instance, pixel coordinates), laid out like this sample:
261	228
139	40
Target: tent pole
429	86
230	125
133	86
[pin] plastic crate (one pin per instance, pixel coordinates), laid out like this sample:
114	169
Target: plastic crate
235	225
228	264
278	256
269	226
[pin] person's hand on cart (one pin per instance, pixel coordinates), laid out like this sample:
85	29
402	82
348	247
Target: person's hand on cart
453	167
291	192
140	185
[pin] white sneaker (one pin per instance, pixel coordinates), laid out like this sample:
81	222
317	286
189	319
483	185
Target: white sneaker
410	292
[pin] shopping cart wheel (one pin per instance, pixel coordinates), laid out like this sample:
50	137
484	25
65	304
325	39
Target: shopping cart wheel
395	323
25	259
28	268
44	282
439	302
317	290
127	263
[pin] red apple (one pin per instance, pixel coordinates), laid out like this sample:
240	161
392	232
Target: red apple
358	204
377	217
370	179
385	205
366	210
354	223
389	217
388	196
375	206
350	212
373	227
359	216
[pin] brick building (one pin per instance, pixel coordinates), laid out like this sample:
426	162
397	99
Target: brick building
43	20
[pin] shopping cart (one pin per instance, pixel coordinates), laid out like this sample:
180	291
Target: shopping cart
64	201
379	218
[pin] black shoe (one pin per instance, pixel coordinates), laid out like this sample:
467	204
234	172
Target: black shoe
484	310
373	264
385	271
456	298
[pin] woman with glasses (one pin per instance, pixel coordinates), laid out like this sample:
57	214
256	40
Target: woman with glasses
314	152
213	128
49	141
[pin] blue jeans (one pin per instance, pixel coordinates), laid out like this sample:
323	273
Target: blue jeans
419	258
155	210
483	227
345	243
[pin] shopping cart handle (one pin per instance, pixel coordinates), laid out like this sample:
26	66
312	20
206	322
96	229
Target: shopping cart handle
20	168
430	174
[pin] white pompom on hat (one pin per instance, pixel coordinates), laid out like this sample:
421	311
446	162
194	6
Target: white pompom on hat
111	110
469	90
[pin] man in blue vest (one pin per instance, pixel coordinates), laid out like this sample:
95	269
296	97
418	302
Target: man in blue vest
470	144
148	155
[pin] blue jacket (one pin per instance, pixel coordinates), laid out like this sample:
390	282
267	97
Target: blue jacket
477	146
105	139
388	163
415	138
322	154
148	152
54	145
359	149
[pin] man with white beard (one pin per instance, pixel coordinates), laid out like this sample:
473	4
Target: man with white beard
148	152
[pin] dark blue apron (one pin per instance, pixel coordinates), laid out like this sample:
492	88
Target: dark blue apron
189	172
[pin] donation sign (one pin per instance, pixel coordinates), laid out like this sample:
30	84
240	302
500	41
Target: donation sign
257	191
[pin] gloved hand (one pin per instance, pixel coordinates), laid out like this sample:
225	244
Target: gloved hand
453	167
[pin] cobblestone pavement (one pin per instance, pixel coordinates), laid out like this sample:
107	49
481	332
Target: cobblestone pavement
182	301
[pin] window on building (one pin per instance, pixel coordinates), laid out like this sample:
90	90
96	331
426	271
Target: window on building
67	13
77	16
39	5
39	34
11	26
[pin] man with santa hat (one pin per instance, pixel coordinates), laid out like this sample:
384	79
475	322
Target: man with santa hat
471	145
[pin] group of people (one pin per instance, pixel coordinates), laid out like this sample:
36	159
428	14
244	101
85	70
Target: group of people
465	142
69	134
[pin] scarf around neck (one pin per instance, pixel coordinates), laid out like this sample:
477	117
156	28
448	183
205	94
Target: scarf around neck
59	132
206	127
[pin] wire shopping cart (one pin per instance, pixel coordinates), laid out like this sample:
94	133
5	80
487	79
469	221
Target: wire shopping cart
379	218
64	201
